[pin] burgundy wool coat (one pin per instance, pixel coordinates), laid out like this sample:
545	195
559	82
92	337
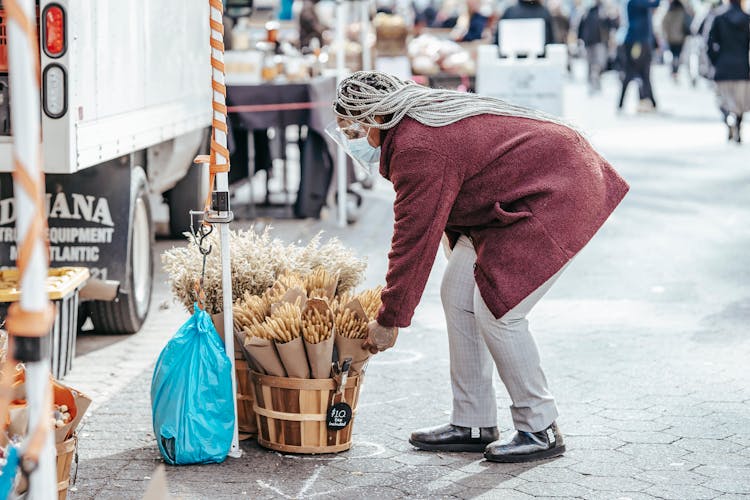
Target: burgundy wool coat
529	194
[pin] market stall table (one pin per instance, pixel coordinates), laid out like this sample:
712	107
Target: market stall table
256	108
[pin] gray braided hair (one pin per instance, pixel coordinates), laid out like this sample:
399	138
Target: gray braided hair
366	94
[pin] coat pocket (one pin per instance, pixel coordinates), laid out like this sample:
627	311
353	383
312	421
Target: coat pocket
507	218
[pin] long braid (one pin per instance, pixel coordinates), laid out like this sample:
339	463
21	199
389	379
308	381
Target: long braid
366	94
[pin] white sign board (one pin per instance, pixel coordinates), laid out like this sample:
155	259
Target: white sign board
534	83
521	37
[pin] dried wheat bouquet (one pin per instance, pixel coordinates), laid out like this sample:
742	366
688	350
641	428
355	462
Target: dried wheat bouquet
350	325
370	300
317	324
321	284
257	262
285	322
249	311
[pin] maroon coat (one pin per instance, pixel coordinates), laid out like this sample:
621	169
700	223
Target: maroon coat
529	194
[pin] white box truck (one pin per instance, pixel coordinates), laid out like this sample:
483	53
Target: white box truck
126	107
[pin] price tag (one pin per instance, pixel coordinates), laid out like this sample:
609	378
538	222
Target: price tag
339	416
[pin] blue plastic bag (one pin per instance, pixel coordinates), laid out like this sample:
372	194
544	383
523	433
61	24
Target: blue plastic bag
191	395
8	472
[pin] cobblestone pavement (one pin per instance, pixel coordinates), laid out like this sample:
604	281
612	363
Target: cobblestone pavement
644	340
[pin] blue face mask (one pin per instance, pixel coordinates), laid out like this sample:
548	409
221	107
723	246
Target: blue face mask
362	151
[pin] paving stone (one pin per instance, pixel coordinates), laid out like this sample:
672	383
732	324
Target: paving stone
555	490
722	472
708	445
606	469
677	492
645	437
552	475
632	496
690	427
622	414
741	439
731	485
497	494
593	442
673	476
614	484
720	459
599	456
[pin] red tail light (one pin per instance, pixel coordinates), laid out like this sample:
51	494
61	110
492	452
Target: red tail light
54	30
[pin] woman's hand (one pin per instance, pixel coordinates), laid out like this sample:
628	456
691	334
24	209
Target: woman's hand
379	338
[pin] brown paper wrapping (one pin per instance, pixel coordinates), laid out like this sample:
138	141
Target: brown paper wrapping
294	358
264	356
320	356
239	342
331	289
63	395
352	348
356	307
293	294
82	402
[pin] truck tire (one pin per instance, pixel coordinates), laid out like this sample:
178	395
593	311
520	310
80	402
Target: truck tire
188	194
128	311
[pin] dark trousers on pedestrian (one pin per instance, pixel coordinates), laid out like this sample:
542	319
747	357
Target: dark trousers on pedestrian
676	50
638	66
596	56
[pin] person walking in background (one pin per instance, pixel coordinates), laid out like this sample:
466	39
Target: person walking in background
310	26
706	69
560	22
729	51
676	27
479	14
638	51
593	31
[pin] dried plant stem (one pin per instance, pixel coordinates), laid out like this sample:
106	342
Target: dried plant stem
370	300
285	323
348	324
317	326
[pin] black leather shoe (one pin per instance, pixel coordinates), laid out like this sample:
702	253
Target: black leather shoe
527	446
451	437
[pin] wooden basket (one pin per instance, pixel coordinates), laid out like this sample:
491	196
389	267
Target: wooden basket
246	424
65	453
291	413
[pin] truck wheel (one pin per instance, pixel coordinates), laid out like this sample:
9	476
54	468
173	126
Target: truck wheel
188	194
128	311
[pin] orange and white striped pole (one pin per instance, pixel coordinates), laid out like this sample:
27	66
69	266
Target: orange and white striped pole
218	169
30	319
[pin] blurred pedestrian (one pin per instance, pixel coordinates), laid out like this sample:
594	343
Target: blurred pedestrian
676	27
638	51
593	31
479	13
729	51
532	9
285	12
310	26
515	204
705	67
560	22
